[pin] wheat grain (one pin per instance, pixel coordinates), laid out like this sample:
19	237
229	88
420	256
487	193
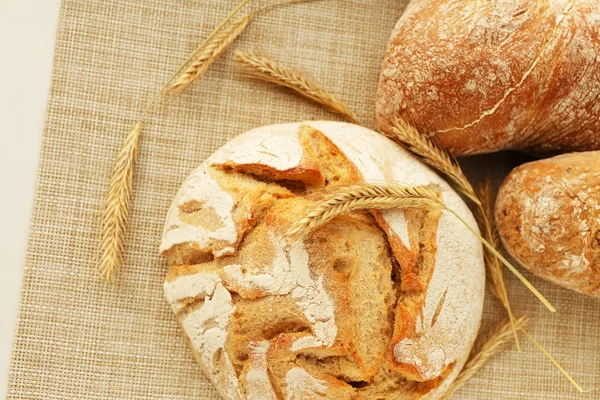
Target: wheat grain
208	54
484	349
265	69
116	206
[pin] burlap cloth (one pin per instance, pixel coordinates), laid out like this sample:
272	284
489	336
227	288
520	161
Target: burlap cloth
78	338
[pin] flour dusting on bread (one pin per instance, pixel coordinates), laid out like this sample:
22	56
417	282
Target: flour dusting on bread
548	215
369	304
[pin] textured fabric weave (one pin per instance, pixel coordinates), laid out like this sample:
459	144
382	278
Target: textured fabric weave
78	338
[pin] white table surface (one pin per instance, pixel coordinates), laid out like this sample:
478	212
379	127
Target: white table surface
27	33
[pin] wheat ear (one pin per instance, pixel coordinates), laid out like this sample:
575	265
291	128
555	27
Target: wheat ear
117	203
116	207
431	154
344	199
210	53
339	200
265	69
485	348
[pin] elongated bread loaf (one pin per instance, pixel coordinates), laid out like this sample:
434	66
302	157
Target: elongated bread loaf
483	76
369	306
548	215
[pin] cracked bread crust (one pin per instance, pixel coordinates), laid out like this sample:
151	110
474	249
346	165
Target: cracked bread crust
371	305
548	215
487	76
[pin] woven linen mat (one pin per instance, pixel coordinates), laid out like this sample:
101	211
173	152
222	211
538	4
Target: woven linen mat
78	338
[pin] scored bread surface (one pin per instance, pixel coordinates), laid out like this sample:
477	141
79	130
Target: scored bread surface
371	305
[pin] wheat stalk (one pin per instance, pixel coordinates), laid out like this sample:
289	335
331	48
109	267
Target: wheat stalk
265	69
212	48
116	206
492	344
485	348
209	53
553	361
484	214
344	199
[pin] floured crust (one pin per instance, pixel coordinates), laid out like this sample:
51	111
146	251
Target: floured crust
371	305
548	215
503	74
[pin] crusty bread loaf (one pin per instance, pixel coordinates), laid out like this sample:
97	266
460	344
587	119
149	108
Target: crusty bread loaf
548	215
369	306
493	75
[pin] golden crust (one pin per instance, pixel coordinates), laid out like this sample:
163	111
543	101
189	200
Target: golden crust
509	75
548	215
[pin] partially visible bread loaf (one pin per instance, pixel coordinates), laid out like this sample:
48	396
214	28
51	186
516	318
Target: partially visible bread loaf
370	306
493	75
548	215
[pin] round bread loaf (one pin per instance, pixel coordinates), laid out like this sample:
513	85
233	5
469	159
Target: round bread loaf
369	306
548	215
503	74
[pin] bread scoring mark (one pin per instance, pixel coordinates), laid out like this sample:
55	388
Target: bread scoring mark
201	188
279	151
426	356
295	180
399	225
300	385
190	286
209	340
257	383
559	21
290	274
438	308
